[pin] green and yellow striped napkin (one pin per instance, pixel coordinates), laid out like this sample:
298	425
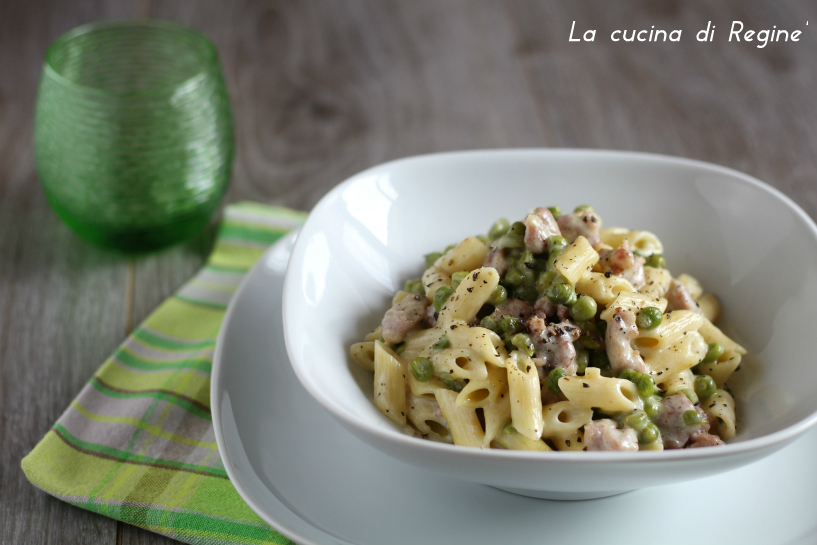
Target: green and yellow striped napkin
137	444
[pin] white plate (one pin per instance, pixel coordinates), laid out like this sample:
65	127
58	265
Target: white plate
317	484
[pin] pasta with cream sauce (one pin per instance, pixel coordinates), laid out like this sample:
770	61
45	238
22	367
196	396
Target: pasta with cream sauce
553	333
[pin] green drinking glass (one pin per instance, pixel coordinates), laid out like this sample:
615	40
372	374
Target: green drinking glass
133	132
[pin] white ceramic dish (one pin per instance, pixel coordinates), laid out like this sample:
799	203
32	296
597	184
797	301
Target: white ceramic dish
312	480
745	241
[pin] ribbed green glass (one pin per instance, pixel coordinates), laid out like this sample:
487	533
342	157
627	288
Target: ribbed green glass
133	132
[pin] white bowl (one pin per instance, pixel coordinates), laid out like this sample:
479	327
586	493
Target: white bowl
742	239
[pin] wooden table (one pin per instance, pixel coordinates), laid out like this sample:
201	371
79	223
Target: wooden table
324	88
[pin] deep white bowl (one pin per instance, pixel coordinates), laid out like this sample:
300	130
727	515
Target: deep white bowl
742	239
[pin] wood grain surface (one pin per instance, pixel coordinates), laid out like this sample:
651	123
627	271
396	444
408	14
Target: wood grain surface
324	88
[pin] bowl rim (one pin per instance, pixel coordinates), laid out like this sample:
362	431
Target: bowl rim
392	435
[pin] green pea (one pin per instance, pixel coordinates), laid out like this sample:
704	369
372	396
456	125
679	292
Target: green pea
645	385
553	256
651	405
499	296
509	324
510	240
584	308
513	258
588	341
583	208
528	293
524	343
527	275
415	286
556	211
422	369
508	429
601	328
441	296
553	379
449	382
499	228
508	340
649	434
657	261
637	420
582	358
457	278
400	348
443	342
514	277
691	395
482	238
713	352
559	279
544	281
560	293
588	326
489	323
527	259
556	242
599	359
649	318
541	263
704	386
692	418
432	258
518	228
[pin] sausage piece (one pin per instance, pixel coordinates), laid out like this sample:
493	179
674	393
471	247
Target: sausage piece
605	435
404	316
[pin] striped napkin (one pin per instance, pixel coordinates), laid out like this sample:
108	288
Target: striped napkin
137	444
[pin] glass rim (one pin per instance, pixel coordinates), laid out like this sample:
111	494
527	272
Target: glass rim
88	28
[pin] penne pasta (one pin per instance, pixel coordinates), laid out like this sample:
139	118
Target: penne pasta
576	260
633	302
593	391
720	408
726	364
497	416
525	394
656	282
511	439
570	441
710	306
553	335
465	256
472	293
363	354
389	383
564	418
692	285
673	325
463	422
684	353
423	412
673	384
601	288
